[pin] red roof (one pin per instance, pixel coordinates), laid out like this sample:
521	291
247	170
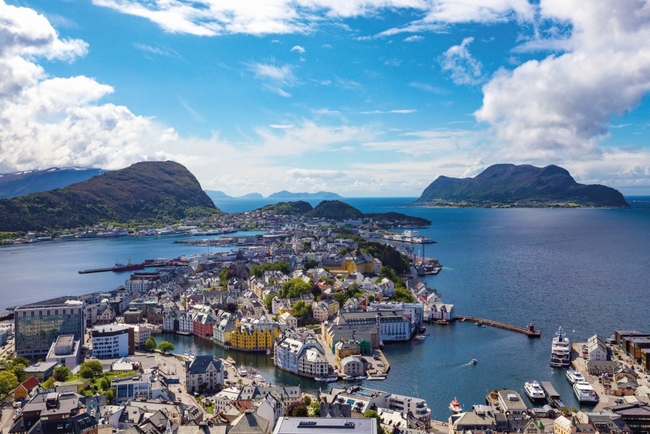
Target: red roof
30	383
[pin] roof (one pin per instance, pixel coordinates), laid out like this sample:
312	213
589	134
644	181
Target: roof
249	423
30	383
201	363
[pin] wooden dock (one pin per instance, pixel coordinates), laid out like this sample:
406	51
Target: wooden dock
500	325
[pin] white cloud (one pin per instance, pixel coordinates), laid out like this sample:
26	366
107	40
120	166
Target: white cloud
382	112
414	38
428	88
298	49
218	17
460	63
50	121
561	106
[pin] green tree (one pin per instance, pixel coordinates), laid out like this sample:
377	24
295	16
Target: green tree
297	409
312	263
403	295
104	384
91	369
61	373
314	409
307	400
268	301
150	344
8	382
19	370
294	287
373	413
165	347
341	297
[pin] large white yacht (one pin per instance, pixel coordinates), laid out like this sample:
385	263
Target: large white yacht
534	391
560	350
574	376
585	393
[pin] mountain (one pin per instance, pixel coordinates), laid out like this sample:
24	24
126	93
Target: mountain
34	181
335	210
286	195
144	192
524	185
288	208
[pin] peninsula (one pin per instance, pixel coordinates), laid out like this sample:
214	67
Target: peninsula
143	192
507	185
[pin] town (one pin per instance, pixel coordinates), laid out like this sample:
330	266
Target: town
319	297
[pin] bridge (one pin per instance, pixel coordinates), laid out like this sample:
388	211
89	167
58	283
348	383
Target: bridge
528	331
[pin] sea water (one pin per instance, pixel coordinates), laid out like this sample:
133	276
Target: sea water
586	270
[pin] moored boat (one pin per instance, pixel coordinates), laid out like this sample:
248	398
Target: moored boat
560	350
585	392
534	391
574	376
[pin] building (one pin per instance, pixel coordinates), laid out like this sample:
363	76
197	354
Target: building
65	351
204	372
37	325
50	413
41	370
140	335
24	389
254	335
300	354
310	425
636	416
133	316
4	334
596	349
112	341
353	366
137	387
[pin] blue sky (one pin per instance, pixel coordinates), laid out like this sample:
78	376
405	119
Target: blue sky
359	97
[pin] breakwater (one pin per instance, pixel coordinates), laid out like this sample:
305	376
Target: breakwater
528	331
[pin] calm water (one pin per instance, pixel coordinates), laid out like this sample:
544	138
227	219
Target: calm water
586	270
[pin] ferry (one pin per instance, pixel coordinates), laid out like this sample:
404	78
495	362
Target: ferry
574	376
534	391
455	406
560	350
585	393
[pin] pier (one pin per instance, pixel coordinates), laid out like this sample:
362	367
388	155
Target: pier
529	331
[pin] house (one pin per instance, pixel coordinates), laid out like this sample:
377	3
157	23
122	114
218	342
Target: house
288	319
60	413
204	372
353	366
298	425
596	349
23	390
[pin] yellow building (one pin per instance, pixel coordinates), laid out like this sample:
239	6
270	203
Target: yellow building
564	425
254	335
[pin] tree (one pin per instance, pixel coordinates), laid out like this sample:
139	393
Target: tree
341	297
61	373
8	382
150	344
165	347
403	294
373	413
294	287
306	399
312	263
268	301
314	409
49	383
297	409
19	370
91	369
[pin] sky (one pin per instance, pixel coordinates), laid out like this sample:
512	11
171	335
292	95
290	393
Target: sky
365	98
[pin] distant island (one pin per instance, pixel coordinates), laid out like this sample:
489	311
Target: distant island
34	181
160	191
508	185
338	210
283	195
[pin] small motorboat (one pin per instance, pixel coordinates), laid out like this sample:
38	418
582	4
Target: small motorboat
473	361
454	406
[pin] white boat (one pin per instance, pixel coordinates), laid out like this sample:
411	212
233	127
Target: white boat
575	376
326	379
376	377
243	371
420	337
534	390
585	393
560	350
473	361
455	406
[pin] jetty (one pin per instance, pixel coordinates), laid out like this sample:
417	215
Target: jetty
528	331
552	395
